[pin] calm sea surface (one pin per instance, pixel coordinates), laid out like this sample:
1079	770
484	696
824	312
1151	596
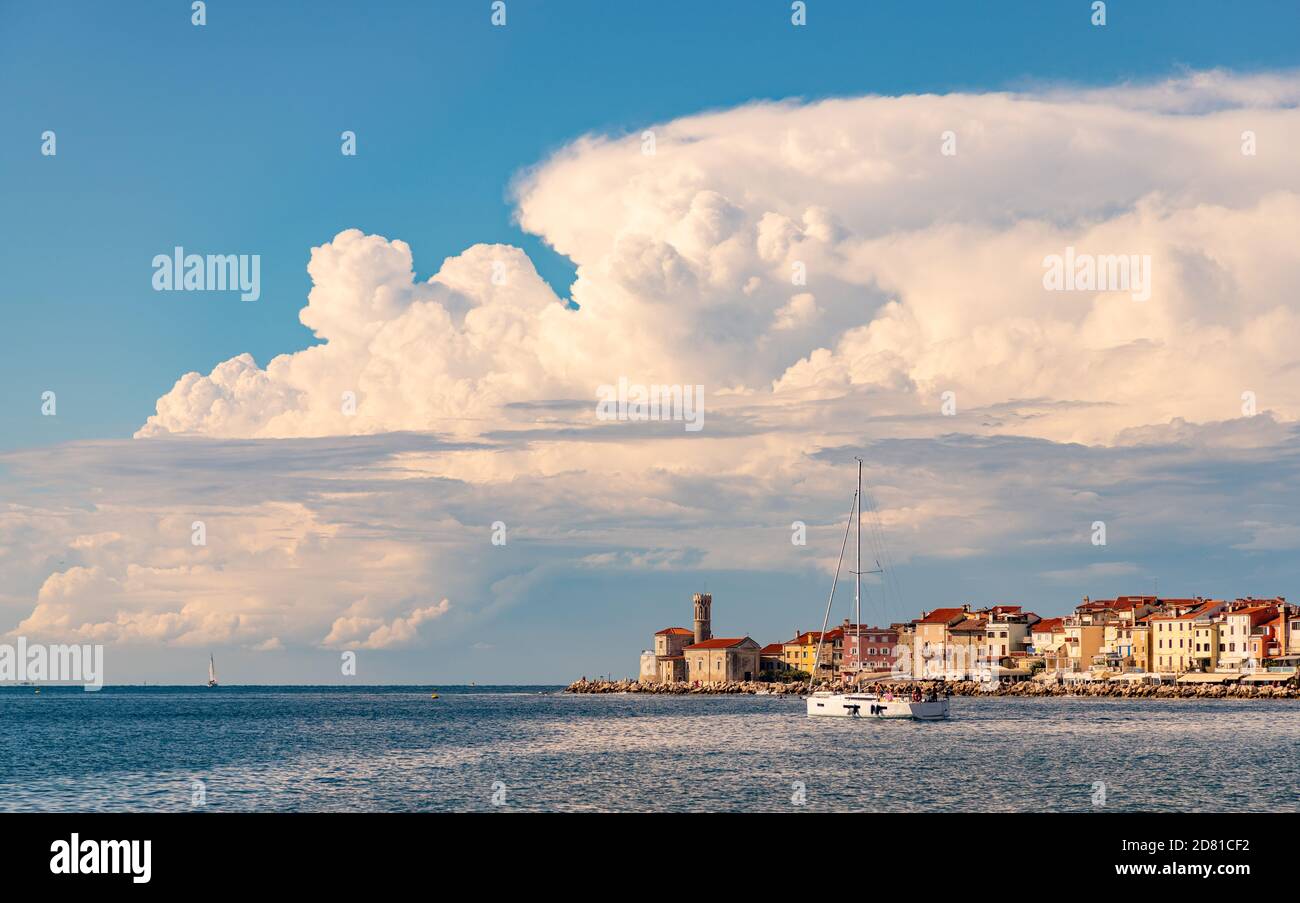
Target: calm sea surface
394	748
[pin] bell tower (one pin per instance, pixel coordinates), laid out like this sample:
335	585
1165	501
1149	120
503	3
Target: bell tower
703	617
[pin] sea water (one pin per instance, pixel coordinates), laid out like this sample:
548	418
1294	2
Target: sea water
537	749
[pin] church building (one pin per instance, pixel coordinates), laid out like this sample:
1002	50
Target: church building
698	656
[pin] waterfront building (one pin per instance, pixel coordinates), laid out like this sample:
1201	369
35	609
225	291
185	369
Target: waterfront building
721	659
931	640
1172	638
1264	642
1174	635
968	651
1141	634
670	664
1240	622
1046	636
876	653
955	643
698	656
1120	609
1082	643
1120	619
800	652
1205	644
771	659
834	640
1008	630
649	670
903	646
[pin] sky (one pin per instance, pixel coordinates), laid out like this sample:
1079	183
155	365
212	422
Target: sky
519	151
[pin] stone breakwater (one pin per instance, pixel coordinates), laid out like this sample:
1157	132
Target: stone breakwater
955	688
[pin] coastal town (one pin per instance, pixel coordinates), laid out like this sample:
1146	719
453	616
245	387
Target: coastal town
1128	640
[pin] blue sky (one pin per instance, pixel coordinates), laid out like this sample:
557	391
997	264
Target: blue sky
225	139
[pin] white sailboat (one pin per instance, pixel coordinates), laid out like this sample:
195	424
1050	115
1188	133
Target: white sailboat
866	705
212	672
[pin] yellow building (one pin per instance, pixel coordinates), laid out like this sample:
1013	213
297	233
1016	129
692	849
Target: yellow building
968	650
932	643
1173	638
1142	645
1082	643
1205	645
799	652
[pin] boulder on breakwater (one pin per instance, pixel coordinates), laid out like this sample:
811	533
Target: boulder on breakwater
952	688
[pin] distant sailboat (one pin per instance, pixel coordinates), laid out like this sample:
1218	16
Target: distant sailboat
212	672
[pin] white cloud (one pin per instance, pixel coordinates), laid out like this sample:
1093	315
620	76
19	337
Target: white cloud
924	276
375	633
924	271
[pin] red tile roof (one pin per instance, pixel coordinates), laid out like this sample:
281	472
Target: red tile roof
1180	603
719	643
1257	614
1048	625
1123	603
675	630
773	649
1002	609
941	616
1198	612
804	639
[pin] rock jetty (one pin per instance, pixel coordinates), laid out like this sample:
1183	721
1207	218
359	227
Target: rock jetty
955	688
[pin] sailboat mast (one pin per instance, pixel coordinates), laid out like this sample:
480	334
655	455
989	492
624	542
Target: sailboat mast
857	593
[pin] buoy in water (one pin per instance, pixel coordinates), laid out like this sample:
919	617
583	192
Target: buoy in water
433	695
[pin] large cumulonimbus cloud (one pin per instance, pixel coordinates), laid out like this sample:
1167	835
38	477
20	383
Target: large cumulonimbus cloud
924	271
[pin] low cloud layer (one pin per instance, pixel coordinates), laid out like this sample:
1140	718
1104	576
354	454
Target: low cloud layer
342	543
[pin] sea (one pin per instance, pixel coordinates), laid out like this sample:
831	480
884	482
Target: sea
538	749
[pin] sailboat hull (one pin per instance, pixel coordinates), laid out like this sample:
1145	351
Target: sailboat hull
867	705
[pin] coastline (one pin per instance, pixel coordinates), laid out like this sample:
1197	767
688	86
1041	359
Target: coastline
952	688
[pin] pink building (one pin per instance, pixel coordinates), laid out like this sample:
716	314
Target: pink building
877	650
